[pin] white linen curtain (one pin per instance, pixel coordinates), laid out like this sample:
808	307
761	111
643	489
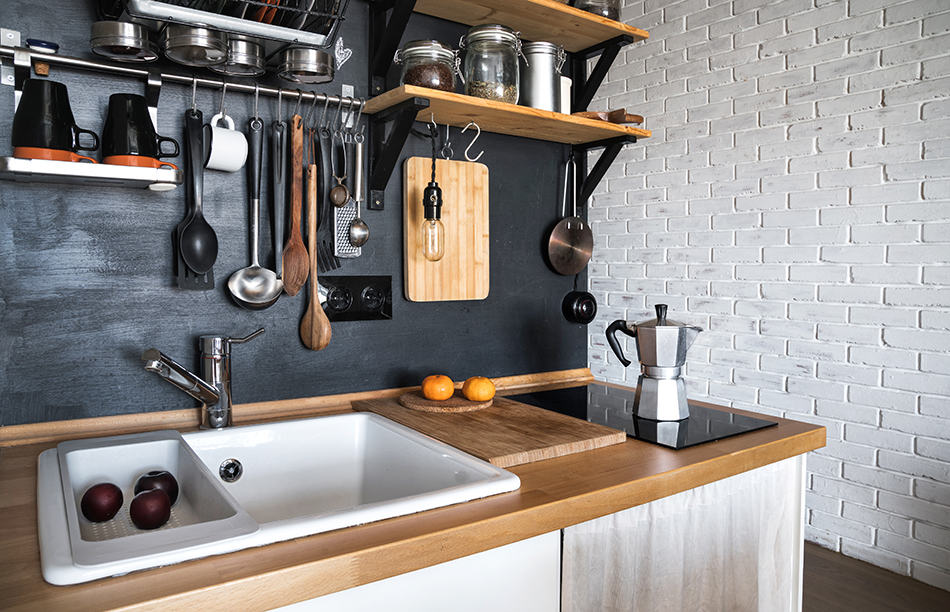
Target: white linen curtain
732	545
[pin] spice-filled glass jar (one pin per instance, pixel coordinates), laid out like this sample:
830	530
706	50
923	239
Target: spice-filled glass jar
605	8
427	63
491	62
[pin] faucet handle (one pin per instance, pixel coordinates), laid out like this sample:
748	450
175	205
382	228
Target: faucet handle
218	345
246	338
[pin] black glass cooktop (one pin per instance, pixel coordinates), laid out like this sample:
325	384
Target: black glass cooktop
614	408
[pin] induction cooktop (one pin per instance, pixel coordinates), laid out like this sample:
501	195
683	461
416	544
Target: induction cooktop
613	407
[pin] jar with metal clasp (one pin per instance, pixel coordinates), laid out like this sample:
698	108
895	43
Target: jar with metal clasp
428	63
491	62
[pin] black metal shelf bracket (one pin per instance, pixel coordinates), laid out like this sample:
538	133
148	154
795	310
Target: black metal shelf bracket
384	37
585	86
386	149
611	147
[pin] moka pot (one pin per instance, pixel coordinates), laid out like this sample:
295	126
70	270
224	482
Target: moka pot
661	346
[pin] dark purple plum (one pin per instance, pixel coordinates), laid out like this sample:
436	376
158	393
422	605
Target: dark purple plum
158	479
101	501
150	509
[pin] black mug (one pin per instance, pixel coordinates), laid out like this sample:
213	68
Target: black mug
43	125
129	137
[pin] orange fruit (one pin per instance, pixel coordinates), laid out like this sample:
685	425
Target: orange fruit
478	389
437	387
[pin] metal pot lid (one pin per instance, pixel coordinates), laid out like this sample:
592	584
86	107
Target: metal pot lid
542	47
662	321
122	42
245	58
425	49
493	33
305	65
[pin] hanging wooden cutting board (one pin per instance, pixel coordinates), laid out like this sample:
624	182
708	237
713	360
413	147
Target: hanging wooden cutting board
505	434
462	273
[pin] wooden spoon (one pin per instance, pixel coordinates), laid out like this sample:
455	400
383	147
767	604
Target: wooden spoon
295	253
314	327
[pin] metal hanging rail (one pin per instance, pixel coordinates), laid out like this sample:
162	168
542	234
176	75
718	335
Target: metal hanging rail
23	57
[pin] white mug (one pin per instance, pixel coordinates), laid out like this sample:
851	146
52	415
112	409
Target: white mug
225	148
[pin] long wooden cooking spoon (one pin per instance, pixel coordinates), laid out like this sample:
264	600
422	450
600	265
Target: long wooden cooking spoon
314	327
296	269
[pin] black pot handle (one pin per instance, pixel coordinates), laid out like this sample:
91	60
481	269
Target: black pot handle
77	146
160	140
614	327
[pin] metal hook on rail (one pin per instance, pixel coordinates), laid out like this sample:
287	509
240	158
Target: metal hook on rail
224	91
297	105
194	94
257	93
313	106
478	132
280	99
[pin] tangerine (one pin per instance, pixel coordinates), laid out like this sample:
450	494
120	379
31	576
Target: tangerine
478	389
437	387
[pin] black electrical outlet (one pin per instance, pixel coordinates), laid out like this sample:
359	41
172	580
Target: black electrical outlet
358	298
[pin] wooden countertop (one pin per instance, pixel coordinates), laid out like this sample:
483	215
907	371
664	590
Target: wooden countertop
554	494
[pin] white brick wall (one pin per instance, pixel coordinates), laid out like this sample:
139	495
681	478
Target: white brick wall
794	202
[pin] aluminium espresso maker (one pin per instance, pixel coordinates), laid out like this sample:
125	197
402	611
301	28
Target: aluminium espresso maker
661	346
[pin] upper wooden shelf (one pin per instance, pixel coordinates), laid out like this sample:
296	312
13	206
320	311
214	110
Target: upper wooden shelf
502	118
537	20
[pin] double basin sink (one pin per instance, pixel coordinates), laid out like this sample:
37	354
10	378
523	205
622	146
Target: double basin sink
247	486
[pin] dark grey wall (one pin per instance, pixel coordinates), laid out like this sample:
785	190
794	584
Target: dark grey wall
86	272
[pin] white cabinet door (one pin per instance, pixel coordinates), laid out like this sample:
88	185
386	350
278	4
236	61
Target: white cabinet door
735	544
519	577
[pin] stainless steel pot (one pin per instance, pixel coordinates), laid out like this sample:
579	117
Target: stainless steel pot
194	46
122	42
304	65
245	58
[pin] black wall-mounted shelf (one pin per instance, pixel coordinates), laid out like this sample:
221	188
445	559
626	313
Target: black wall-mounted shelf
584	35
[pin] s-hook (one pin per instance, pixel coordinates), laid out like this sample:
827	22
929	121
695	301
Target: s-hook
224	92
478	132
447	151
194	94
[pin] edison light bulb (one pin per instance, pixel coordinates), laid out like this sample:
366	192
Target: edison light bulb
433	239
433	232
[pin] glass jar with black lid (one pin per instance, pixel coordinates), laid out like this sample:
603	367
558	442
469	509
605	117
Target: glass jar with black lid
427	63
491	62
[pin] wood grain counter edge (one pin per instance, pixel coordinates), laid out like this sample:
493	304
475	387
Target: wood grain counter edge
554	494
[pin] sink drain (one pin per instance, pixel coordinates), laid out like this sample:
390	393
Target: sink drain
230	470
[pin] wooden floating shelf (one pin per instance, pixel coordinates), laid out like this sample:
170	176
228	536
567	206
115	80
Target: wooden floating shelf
84	173
537	20
503	118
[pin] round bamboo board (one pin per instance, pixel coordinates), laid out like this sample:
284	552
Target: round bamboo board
456	403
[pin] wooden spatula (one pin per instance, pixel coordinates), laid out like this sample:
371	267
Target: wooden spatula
295	258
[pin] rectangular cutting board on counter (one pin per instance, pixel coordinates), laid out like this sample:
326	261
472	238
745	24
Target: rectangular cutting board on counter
462	273
507	433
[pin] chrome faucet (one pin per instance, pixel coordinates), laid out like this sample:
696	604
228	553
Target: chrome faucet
213	387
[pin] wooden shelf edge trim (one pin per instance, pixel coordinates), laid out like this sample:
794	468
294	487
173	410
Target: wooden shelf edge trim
57	431
589	25
474	105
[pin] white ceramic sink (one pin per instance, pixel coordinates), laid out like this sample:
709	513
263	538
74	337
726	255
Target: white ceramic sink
297	478
303	477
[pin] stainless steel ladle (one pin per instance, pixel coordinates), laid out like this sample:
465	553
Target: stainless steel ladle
255	287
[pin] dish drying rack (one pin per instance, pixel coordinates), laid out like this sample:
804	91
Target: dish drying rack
317	21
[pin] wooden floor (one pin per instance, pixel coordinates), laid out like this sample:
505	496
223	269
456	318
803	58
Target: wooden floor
835	583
